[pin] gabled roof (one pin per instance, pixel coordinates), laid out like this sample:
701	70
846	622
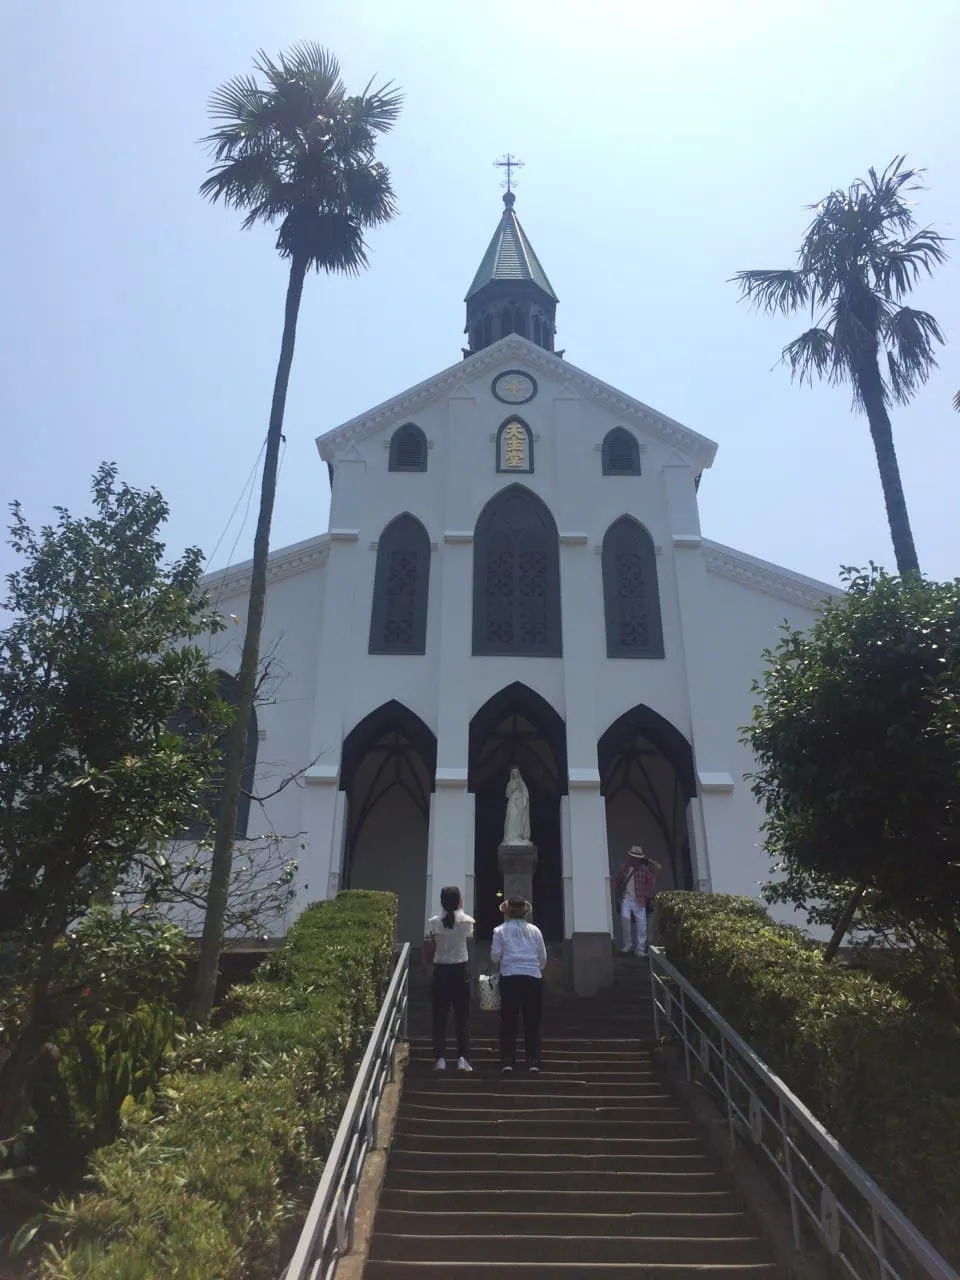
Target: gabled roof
510	256
506	353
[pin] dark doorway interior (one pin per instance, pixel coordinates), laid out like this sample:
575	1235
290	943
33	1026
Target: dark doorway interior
647	780
518	727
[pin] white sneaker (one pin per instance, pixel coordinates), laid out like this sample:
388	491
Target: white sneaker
440	1064
463	1065
625	951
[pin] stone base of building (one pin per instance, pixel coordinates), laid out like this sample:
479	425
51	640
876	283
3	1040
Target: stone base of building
590	962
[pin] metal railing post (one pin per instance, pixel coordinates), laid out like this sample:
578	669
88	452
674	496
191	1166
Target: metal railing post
726	1091
788	1170
653	995
683	1033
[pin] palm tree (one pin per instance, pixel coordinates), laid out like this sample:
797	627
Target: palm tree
861	255
295	150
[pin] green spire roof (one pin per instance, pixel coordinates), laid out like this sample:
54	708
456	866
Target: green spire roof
510	256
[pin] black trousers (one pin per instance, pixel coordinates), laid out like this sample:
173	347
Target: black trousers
520	994
451	987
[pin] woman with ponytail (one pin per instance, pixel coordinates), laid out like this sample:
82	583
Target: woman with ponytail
446	946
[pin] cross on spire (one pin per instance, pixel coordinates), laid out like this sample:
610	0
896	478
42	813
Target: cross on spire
509	163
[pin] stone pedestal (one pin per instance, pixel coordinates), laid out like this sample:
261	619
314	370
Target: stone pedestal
517	863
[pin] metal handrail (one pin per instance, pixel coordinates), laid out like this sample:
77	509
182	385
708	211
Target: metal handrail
328	1231
834	1219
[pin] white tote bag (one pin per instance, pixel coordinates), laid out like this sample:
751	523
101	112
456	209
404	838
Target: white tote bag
489	992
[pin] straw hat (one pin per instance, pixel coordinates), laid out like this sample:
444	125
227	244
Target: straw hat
516	902
637	852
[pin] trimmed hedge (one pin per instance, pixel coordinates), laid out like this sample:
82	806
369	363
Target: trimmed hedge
882	1076
214	1182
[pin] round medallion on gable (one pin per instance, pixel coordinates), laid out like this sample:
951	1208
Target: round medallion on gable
514	387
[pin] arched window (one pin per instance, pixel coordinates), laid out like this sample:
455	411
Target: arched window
487	330
516	578
506	322
398	622
476	336
536	330
200	823
408	449
620	453
514	446
631	597
519	323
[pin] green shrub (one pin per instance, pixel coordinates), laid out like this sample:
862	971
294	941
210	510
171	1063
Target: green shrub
212	1182
883	1076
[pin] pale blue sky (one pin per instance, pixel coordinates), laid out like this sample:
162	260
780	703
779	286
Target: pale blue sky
666	146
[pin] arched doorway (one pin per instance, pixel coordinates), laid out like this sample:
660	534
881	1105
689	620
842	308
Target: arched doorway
518	727
388	771
647	780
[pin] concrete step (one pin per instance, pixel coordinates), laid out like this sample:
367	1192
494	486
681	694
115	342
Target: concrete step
547	1142
459	1270
546	1109
565	1126
688	1225
528	1090
554	1248
610	1198
683	1170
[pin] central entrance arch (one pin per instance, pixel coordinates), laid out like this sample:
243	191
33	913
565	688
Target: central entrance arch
518	727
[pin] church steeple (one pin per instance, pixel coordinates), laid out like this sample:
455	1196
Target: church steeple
510	292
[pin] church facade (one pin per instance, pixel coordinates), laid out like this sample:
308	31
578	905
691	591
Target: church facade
514	575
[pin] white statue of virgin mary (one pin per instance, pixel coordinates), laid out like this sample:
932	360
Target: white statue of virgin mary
516	826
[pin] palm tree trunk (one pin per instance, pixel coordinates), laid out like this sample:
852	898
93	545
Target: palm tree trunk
844	922
871	391
222	859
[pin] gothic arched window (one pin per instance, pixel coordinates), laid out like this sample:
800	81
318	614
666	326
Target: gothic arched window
631	597
516	578
398	621
487	330
408	449
620	453
506	322
519	323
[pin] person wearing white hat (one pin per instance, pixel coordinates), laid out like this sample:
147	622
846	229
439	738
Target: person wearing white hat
635	886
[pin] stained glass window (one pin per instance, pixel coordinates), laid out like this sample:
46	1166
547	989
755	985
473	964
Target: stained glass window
516	606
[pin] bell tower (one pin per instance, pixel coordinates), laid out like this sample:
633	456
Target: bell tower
510	292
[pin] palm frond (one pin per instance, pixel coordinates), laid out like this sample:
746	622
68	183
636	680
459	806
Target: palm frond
771	291
291	148
902	262
910	337
814	352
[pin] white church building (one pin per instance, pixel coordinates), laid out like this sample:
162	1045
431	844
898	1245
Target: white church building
514	574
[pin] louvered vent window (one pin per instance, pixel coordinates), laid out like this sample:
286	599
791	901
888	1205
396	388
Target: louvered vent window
620	453
398	622
631	595
408	449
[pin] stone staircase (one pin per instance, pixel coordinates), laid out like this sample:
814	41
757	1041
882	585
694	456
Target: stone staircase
587	1170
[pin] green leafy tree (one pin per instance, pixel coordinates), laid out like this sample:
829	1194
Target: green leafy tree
857	741
291	149
860	257
94	663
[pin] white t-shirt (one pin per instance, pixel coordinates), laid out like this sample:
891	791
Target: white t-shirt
451	943
520	948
